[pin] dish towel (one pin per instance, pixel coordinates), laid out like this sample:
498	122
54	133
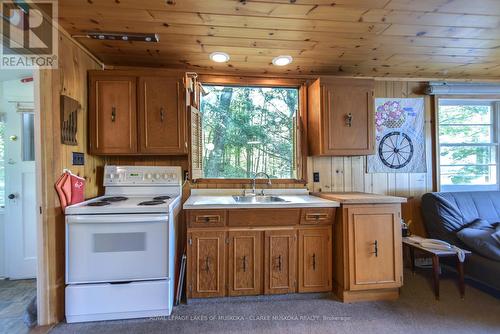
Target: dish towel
70	189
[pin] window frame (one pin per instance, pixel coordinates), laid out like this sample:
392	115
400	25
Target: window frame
494	101
300	84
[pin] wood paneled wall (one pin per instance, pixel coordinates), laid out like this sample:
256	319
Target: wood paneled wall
71	80
349	173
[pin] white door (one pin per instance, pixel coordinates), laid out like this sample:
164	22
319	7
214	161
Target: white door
20	191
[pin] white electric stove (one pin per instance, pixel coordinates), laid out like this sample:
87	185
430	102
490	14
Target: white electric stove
120	247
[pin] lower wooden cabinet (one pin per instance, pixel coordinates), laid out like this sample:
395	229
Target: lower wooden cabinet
375	254
368	252
315	259
206	269
226	258
280	261
245	263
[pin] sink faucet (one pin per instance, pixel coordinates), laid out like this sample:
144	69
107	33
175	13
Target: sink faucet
254	179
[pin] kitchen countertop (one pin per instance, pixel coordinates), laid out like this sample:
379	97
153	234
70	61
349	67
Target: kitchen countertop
359	198
223	199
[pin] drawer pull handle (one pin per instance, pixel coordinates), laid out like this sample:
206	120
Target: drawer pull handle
279	263
113	113
375	247
314	261
316	216
244	263
208	219
207	264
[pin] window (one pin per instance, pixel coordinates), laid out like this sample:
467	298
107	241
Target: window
468	144
248	129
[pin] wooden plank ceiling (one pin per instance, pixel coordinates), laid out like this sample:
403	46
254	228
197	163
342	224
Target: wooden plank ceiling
386	38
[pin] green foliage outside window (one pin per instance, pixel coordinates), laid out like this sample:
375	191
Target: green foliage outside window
248	130
466	153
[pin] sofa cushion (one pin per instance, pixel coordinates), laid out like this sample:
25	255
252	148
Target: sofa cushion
496	234
448	212
478	236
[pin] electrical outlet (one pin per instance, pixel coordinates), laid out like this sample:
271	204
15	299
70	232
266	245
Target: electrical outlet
316	176
78	159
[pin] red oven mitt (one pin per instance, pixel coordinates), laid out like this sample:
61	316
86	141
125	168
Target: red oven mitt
62	190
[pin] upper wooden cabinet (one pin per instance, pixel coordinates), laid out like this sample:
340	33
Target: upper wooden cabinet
340	117
112	118
161	116
134	114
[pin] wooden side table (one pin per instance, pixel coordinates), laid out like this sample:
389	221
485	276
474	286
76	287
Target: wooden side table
435	254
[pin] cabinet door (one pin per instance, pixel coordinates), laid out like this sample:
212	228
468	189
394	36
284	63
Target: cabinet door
375	255
245	263
112	117
161	116
315	259
280	261
348	119
206	258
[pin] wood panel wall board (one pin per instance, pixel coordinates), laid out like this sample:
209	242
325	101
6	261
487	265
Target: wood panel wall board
69	79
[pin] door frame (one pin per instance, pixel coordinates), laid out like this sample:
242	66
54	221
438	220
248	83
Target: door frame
42	263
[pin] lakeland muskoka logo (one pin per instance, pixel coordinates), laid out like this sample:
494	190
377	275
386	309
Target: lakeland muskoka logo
29	35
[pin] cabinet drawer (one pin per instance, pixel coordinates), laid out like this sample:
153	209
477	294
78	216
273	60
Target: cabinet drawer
317	216
206	218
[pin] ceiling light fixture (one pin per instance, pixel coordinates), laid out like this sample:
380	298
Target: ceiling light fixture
121	36
282	60
219	57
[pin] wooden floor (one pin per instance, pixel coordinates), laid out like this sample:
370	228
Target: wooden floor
15	295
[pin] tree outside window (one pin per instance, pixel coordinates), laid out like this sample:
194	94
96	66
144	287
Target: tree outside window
248	130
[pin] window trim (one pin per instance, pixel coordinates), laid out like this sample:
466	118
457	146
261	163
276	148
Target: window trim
472	100
300	84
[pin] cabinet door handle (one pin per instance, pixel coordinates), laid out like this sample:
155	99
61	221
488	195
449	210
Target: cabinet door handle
207	264
314	261
113	113
244	263
375	247
279	262
348	119
162	114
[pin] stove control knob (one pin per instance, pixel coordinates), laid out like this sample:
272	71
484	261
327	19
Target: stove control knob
174	176
165	176
157	176
148	176
111	176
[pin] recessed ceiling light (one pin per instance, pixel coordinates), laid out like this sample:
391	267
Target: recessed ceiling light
219	57
282	60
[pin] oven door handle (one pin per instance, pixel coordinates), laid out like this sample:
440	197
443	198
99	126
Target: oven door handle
132	218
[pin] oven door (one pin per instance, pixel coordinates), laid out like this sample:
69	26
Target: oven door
116	248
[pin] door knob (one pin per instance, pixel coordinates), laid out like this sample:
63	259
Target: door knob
11	196
13	138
